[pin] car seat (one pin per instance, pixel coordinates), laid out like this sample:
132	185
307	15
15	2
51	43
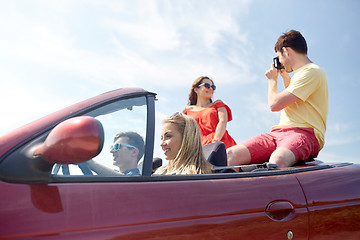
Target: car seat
215	153
157	162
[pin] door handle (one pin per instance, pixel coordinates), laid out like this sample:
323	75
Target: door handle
280	211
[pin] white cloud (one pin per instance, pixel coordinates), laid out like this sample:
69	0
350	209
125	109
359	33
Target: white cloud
340	134
341	140
156	28
337	158
259	113
155	34
19	106
182	37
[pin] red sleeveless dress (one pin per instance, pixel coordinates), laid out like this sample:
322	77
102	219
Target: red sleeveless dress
207	120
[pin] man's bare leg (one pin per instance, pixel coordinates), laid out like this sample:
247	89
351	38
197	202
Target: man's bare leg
238	155
283	157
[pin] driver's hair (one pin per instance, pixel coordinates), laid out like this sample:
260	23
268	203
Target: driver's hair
135	140
190	158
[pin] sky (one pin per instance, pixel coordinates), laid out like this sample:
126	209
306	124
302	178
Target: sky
56	53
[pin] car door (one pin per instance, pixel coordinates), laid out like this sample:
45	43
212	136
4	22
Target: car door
69	205
246	207
333	196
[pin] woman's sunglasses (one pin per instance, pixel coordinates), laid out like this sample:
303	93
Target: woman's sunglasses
207	85
117	146
174	115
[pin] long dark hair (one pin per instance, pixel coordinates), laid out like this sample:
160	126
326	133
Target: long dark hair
192	94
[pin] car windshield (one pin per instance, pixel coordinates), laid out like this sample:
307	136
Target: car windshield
123	116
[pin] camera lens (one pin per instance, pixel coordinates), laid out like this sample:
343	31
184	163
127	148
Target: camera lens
277	63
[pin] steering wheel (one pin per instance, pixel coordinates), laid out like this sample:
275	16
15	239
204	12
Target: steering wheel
84	167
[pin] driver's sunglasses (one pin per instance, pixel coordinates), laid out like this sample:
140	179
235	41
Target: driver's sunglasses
207	85
117	146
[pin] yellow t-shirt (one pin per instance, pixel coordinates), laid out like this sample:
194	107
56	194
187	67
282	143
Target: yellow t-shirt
309	83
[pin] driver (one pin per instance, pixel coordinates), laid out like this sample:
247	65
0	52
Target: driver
127	150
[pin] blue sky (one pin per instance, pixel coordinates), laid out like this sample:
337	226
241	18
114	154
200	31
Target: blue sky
56	53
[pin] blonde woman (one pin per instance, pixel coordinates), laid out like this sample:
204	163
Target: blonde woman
181	143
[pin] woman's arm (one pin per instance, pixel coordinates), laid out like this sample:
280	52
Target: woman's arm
221	126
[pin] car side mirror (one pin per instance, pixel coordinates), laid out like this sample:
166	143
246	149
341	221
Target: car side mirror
73	141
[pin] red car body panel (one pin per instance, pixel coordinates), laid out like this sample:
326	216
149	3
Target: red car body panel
333	196
221	207
306	202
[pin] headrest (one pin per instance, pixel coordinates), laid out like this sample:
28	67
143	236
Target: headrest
157	162
215	153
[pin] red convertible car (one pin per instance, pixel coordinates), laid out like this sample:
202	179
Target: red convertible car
48	191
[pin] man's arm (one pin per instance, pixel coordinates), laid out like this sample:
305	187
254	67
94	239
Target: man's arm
278	101
285	76
101	169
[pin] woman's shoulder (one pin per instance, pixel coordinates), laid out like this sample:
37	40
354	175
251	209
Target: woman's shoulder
218	103
192	108
188	108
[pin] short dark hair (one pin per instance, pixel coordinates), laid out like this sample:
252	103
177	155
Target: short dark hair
135	140
292	39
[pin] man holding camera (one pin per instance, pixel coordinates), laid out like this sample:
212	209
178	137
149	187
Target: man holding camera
303	105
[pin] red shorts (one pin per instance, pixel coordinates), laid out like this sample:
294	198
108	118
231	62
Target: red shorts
301	141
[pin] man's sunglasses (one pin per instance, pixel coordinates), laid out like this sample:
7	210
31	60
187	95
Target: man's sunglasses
207	85
117	146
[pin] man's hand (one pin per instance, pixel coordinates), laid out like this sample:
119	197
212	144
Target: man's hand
285	76
278	101
272	73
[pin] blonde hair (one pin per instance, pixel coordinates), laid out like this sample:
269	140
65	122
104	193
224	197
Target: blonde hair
190	158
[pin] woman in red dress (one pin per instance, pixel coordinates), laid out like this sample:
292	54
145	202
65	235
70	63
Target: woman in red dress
211	117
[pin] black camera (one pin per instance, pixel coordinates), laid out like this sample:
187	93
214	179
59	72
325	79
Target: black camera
277	63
